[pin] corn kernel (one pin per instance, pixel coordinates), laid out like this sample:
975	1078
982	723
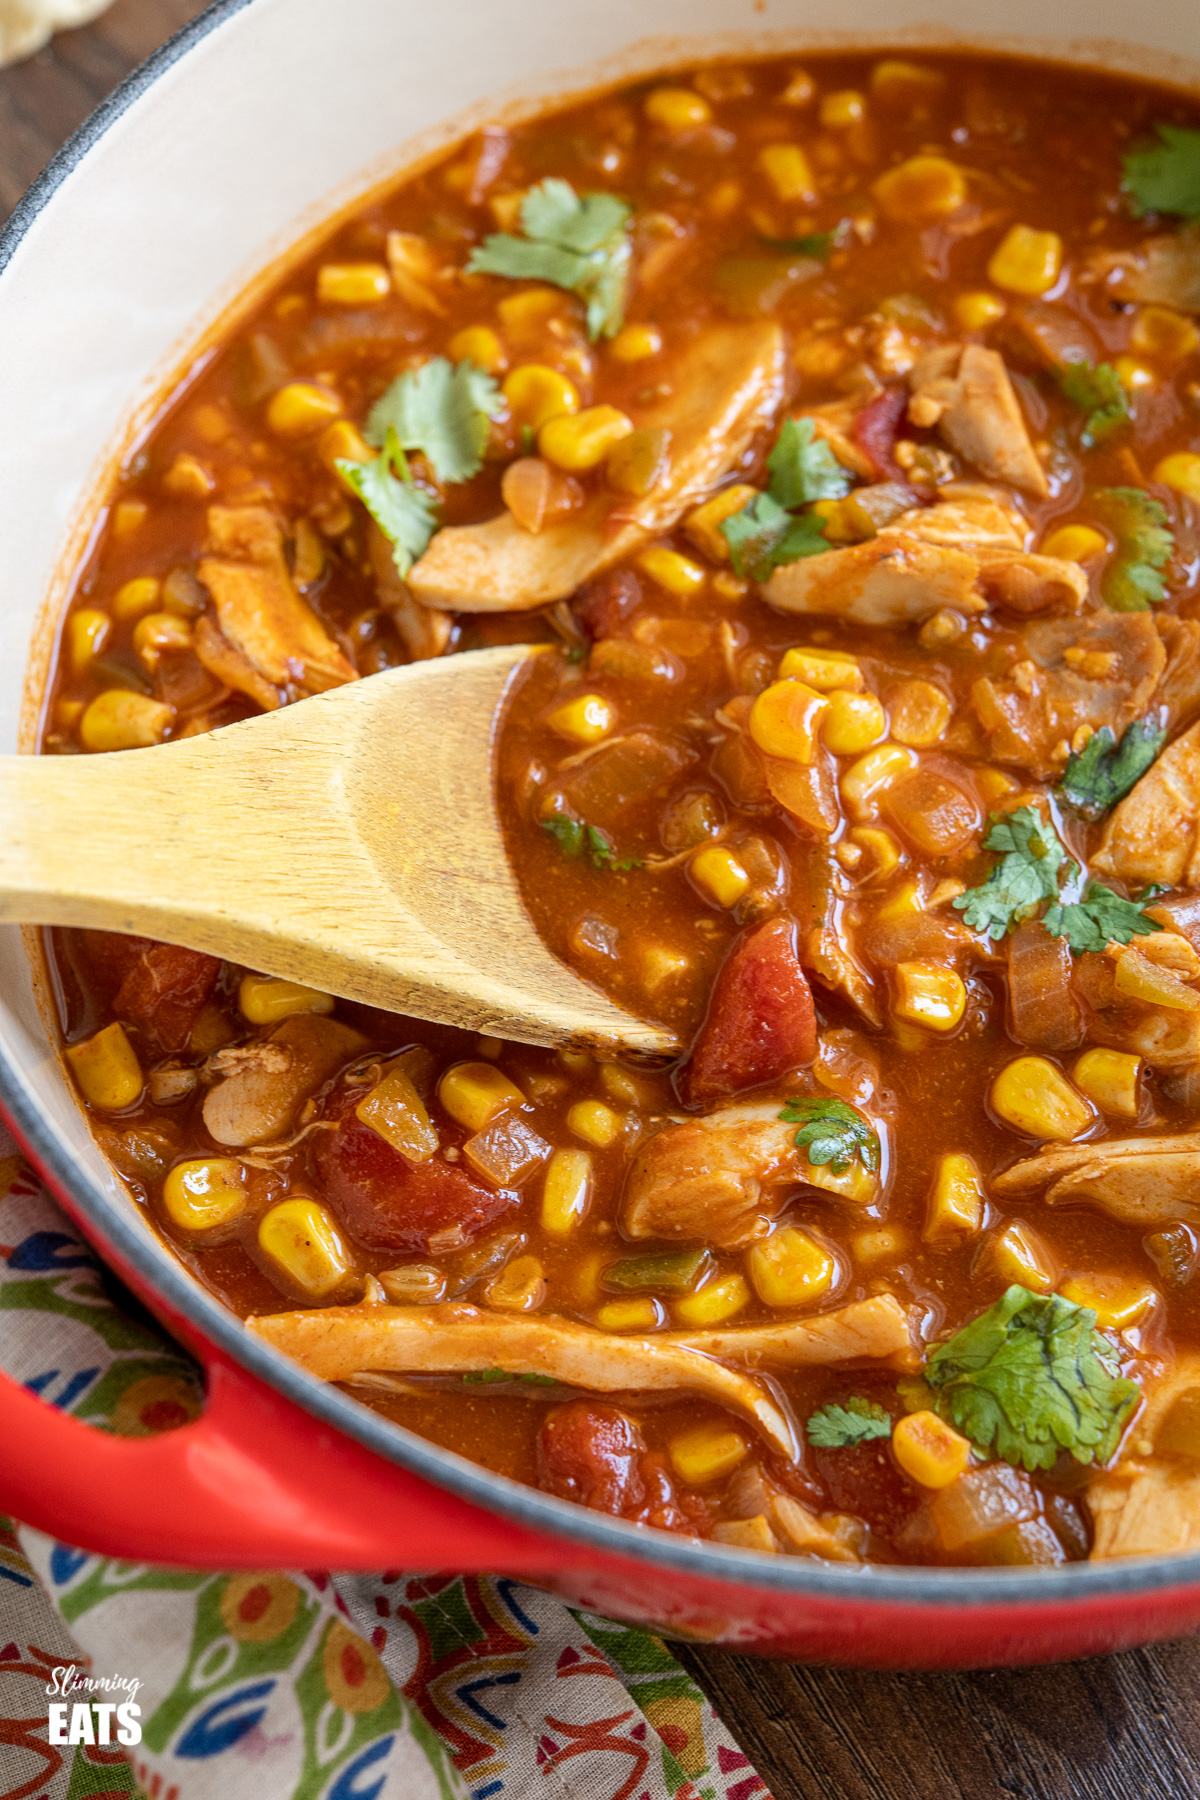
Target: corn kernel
106	1069
582	441
929	1451
896	81
677	109
566	1191
856	1184
1018	1255
129	516
480	345
120	720
842	108
394	1109
956	1202
205	1193
883	1243
136	598
1181	472
188	478
352	284
525	313
1133	374
853	723
703	523
1032	1096
788	170
713	1303
880	849
586	719
1118	1301
728	586
536	394
343	442
800	89
67	713
921	190
302	1239
707	1454
622	1086
301	409
638	461
473	1093
669	570
265	1000
1159	332
506	209
519	1287
1075	543
639	1314
785	718
822	669
719	874
595	1123
919	713
790	1268
635	343
993	784
1027	261
975	312
1109	1078
158	633
88	632
865	779
930	995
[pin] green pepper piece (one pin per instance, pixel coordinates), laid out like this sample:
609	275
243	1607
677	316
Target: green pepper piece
664	1271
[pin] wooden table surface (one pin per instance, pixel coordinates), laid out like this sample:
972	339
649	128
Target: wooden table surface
1116	1728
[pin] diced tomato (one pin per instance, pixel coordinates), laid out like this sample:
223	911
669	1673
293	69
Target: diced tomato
602	605
761	1021
388	1203
165	991
876	429
591	1453
865	1479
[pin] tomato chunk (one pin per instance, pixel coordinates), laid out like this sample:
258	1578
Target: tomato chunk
876	429
164	992
761	1021
603	604
595	1454
388	1203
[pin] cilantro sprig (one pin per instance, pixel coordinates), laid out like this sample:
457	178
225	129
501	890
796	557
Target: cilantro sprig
1025	876
441	409
833	1132
1133	581
1097	918
405	513
836	1427
577	840
576	242
1096	389
1104	771
764	535
487	1376
1165	177
1032	1377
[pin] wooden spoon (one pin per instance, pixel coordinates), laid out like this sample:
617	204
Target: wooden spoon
349	842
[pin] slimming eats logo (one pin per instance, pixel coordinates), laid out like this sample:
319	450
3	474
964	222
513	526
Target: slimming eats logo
93	1721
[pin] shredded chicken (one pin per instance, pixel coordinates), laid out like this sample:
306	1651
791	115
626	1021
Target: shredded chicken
1142	1181
1153	835
872	1330
1162	271
340	1343
1148	1504
423	632
827	950
964	391
723	389
260	613
261	1087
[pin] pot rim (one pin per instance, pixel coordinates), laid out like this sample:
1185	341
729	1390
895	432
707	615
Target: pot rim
879	1584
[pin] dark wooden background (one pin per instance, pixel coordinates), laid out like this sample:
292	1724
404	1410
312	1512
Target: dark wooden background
1118	1728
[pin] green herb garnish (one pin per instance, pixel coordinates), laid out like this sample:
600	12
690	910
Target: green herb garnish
1026	875
441	409
817	243
1096	390
840	1427
1032	1377
1103	772
1133	580
488	1376
1098	918
803	468
405	513
576	840
764	535
833	1132
1165	177
573	242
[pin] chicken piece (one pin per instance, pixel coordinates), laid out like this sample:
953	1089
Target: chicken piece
338	1343
423	632
165	992
262	1086
724	388
1142	1181
215	653
761	1022
1036	708
828	951
1153	835
1148	1504
1054	334
1162	271
964	390
1178	692
865	1330
259	611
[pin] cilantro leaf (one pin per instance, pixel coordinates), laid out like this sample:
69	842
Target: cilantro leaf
1099	775
803	468
764	536
833	1132
1133	580
1099	918
1027	873
442	410
1165	177
1096	389
405	513
576	840
838	1427
488	1376
1032	1376
817	243
577	243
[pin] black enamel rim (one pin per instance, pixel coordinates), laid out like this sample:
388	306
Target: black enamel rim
1060	1590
